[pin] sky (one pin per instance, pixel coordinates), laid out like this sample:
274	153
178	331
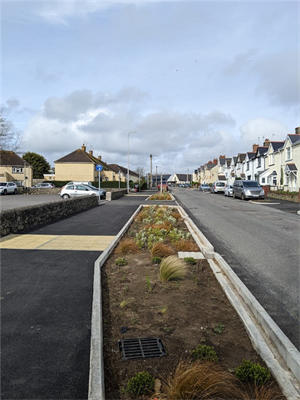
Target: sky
192	80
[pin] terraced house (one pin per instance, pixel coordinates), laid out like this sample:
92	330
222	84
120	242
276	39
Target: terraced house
275	163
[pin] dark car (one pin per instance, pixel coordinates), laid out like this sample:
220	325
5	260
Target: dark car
204	188
247	190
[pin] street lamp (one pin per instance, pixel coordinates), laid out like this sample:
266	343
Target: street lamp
128	162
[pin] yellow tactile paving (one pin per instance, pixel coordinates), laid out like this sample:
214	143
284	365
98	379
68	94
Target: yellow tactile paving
56	242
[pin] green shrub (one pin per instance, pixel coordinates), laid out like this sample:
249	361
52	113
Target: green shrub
190	260
156	260
249	371
121	262
141	384
219	328
204	352
172	268
110	184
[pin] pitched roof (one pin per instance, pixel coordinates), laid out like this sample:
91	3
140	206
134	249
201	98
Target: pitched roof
291	167
81	156
118	168
250	155
183	177
11	158
294	138
277	145
241	156
261	150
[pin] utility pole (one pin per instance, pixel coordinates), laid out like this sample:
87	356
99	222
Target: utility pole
187	176
161	183
156	175
150	171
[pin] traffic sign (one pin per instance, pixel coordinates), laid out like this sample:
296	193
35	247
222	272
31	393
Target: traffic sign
99	167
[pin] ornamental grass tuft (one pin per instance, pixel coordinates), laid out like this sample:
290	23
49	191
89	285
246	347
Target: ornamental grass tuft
172	268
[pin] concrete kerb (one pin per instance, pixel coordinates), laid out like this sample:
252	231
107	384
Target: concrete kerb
277	351
287	351
96	372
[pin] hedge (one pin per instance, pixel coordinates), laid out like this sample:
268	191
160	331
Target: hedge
104	184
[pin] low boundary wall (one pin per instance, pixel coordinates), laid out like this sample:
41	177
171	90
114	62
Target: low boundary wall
23	218
115	194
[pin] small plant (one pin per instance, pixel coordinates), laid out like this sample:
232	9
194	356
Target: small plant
190	260
176	235
204	352
149	284
199	381
249	371
161	250
124	303
186	245
156	260
219	328
127	246
121	262
163	310
140	384
265	392
172	268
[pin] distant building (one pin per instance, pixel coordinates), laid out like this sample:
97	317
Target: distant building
14	169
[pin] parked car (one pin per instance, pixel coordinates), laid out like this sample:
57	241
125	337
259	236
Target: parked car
8	187
218	187
102	191
204	188
44	186
248	190
71	190
228	191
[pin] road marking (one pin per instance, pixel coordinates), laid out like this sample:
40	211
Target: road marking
56	242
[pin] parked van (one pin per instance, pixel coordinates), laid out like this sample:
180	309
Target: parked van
247	190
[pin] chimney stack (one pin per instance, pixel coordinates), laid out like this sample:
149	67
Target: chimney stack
266	142
215	161
83	147
91	152
222	156
99	158
255	147
297	130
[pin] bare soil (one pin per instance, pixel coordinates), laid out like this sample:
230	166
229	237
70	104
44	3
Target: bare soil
182	314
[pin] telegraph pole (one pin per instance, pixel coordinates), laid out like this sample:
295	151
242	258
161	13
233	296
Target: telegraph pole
150	171
156	176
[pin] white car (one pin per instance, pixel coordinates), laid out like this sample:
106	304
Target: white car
228	190
71	190
8	187
218	187
44	186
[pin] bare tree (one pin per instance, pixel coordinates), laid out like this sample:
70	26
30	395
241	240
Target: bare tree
140	171
10	137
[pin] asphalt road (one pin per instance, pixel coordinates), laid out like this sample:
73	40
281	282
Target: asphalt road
260	243
22	200
46	304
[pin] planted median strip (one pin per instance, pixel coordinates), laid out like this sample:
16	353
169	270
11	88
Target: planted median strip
156	294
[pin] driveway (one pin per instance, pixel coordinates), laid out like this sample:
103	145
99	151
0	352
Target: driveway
46	303
22	200
260	243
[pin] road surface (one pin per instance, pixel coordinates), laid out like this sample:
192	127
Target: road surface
262	246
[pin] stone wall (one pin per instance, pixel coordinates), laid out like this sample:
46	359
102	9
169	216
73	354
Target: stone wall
24	218
43	191
115	194
295	198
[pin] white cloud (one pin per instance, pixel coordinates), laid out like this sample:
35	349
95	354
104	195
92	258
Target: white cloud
177	138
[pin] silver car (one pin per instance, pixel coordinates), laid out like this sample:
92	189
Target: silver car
228	190
8	187
248	190
71	190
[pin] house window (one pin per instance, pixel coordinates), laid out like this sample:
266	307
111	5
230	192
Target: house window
271	159
247	165
263	180
17	170
259	162
288	153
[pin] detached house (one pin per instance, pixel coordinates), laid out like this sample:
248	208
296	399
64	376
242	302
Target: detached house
121	173
13	168
81	166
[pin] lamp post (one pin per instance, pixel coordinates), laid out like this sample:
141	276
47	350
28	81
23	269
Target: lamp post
128	162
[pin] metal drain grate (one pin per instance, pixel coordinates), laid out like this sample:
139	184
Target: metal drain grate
141	348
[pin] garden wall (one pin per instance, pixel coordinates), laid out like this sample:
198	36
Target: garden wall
42	191
115	194
20	219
